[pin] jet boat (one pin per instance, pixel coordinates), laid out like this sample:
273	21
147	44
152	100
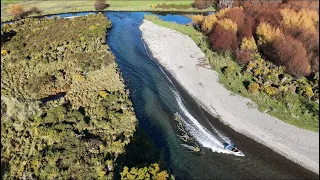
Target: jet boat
232	149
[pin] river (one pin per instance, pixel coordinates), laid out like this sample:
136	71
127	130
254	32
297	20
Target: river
156	96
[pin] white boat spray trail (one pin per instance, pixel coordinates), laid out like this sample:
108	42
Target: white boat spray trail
197	131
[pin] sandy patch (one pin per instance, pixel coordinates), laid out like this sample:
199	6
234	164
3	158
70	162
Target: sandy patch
181	56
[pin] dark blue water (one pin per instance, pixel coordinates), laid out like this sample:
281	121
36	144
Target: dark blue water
156	97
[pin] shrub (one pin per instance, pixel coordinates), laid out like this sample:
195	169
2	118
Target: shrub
248	29
228	24
15	10
266	33
208	23
237	16
35	9
271	91
291	53
297	5
253	87
170	6
202	4
264	12
296	21
243	56
314	56
220	14
152	172
249	44
308	93
302	25
222	39
100	5
197	20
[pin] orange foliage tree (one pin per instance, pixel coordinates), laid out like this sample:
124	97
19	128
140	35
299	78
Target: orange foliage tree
291	53
15	10
222	39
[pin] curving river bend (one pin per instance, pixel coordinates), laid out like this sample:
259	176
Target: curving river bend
156	97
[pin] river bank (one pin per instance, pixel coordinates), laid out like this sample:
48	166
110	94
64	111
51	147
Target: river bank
184	60
57	7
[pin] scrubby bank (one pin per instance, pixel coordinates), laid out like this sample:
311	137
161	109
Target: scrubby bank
276	49
292	99
65	113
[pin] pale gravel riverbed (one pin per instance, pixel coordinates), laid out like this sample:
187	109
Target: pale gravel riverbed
181	56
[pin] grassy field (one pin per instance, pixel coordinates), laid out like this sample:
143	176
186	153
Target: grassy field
296	115
51	7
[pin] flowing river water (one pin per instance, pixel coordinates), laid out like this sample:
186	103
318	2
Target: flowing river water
156	97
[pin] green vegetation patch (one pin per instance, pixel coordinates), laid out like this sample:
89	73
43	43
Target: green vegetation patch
65	113
290	100
56	6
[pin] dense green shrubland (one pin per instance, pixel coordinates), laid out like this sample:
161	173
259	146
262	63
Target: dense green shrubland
78	136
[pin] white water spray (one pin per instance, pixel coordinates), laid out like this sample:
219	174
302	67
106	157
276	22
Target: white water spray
197	131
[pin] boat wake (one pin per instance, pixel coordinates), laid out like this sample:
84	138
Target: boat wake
200	133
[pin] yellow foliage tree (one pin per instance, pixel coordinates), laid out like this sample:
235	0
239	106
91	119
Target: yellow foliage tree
267	33
228	24
208	23
249	44
197	20
222	12
305	19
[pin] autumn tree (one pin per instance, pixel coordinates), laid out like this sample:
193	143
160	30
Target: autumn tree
267	33
197	21
249	44
223	39
237	16
228	24
15	10
289	52
208	23
303	25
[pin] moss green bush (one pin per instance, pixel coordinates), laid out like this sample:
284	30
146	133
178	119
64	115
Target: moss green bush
79	135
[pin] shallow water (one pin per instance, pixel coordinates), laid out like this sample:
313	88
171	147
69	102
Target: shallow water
156	97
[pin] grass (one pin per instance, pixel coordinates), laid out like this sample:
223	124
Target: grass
52	7
297	115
